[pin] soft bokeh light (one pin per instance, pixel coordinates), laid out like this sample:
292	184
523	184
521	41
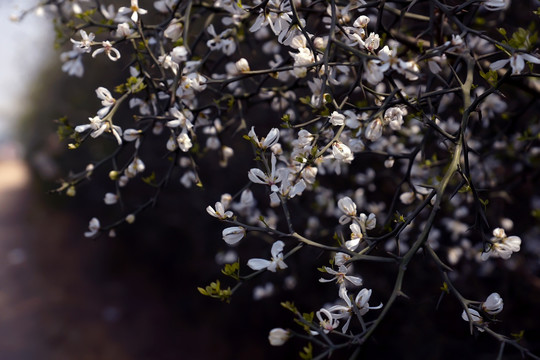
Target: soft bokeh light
27	45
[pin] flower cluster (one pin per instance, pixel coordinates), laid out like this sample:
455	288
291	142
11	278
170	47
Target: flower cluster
377	130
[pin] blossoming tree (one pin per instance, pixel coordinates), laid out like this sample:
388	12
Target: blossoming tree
381	132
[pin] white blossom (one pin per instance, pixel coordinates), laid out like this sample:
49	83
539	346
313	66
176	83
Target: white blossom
475	317
86	41
93	228
219	211
276	262
108	49
517	62
278	336
134	9
340	276
501	245
493	304
232	235
342	152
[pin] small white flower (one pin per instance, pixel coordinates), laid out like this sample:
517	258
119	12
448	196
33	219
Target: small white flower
342	152
242	66
327	321
130	219
93	228
346	311
341	275
123	30
106	100
132	134
372	42
493	304
517	62
374	129
233	234
133	8
407	198
270	140
394	117
367	222
501	245
496	5
110	198
271	265
257	176
348	207
111	52
219	211
475	317
86	41
184	142
278	336
337	119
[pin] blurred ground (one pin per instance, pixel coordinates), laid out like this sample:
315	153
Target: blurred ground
63	296
43	314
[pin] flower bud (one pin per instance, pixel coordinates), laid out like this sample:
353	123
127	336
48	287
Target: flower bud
113	175
71	191
493	304
278	336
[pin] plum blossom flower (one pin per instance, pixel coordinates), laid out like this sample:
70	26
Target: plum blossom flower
346	311
106	100
175	30
375	72
278	336
475	317
374	129
220	42
134	8
184	142
271	265
394	117
337	119
271	138
348	207
341	275
111	52
501	245
72	61
362	301
342	152
257	176
219	211
367	222
99	126
86	41
493	304
517	62
372	42
326	321
123	30
496	5
232	235
93	228
110	198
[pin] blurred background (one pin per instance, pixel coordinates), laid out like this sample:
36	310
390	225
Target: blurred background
63	296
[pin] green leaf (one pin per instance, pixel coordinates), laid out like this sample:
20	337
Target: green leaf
445	288
307	352
232	270
150	179
289	306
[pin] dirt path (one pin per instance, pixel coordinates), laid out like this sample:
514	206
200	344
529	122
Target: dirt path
45	312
